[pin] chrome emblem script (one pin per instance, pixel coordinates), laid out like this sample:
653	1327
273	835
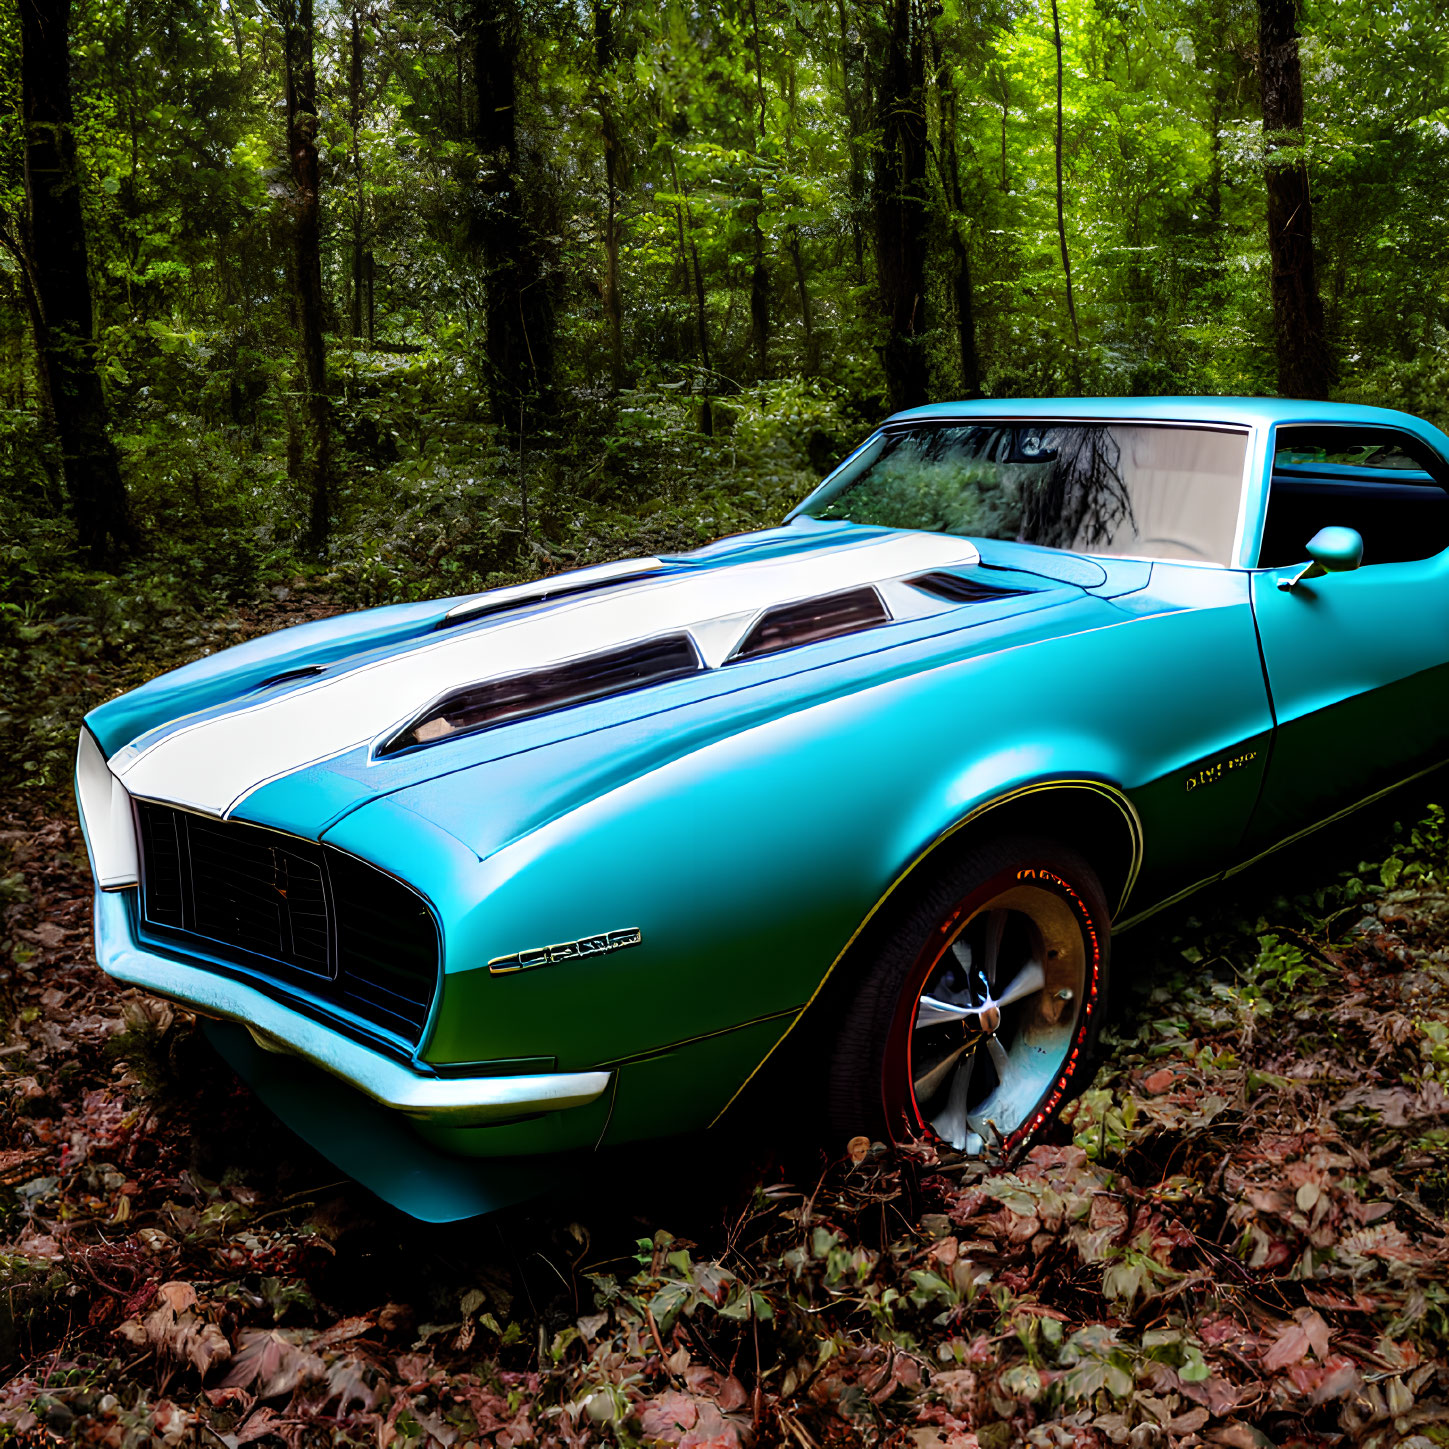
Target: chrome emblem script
566	951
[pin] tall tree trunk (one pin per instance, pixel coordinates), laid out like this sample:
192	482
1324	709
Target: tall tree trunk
10	240
138	306
1004	83
1304	367
851	56
689	252
519	311
1061	202
900	205
369	277
950	163
1215	166
313	469
65	343
355	80
807	320
759	272
613	303
790	95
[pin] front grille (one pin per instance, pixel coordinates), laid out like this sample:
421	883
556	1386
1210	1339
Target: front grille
253	890
293	913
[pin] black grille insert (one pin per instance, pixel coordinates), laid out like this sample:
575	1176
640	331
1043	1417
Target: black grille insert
293	913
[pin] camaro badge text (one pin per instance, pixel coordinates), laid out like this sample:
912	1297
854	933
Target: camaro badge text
566	951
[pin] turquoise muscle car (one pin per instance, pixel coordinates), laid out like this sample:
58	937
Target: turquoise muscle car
465	884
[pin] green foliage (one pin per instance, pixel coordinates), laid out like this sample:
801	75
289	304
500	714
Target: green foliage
741	140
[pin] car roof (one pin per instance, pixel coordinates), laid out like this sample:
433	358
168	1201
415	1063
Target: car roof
1244	410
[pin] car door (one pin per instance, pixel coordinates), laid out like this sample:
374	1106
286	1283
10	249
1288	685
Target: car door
1357	662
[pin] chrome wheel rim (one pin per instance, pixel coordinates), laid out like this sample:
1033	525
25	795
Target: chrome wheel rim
996	1023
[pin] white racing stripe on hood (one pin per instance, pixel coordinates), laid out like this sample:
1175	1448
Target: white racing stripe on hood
212	764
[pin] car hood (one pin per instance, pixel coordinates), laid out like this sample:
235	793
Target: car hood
286	730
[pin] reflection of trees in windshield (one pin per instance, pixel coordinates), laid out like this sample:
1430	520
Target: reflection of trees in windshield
1081	500
1054	485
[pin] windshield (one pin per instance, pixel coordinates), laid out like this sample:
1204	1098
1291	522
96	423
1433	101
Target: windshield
1114	488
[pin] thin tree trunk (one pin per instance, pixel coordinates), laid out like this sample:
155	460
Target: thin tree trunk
243	65
807	321
29	290
613	303
900	206
759	272
689	250
1215	171
136	307
950	163
1220	85
520	317
792	233
69	377
355	80
1061	204
851	52
1005	84
314	459
1304	367
369	276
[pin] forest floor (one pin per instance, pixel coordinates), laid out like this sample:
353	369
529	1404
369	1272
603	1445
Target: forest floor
1236	1236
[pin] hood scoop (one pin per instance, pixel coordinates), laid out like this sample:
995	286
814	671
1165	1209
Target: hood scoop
811	620
542	691
961	590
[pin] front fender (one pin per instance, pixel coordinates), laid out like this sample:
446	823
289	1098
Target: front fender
748	865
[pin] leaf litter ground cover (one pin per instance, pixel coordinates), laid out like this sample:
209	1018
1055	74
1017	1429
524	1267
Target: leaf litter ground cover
1236	1236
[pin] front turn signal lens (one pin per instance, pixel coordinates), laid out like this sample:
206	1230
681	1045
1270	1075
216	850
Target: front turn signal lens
106	818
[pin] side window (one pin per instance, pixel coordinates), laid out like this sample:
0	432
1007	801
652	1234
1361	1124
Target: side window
1387	484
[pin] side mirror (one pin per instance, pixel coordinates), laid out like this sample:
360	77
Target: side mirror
1333	551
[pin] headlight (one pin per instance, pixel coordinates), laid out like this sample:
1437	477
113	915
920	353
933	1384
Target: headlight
106	819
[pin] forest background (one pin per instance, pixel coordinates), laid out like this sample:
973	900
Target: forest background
403	297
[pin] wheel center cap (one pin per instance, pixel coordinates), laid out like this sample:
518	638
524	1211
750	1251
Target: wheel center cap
989	1018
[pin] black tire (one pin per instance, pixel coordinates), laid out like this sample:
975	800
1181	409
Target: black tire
970	918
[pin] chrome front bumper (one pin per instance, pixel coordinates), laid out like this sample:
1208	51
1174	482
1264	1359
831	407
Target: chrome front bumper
451	1101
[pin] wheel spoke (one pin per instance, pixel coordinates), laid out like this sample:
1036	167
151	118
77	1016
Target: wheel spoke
1008	1081
999	1060
933	1011
953	1123
995	928
928	1084
1030	979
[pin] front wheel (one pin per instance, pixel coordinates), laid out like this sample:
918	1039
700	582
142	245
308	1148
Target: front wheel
977	1016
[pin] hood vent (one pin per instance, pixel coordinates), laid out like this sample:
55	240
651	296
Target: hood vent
542	691
827	617
962	590
304	671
